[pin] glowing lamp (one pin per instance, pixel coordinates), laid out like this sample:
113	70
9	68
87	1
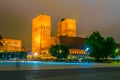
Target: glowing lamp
117	50
35	54
87	49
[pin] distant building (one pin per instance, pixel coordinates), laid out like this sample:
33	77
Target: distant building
11	45
41	35
67	27
66	34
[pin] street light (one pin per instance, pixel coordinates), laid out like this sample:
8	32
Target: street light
86	50
60	51
35	54
117	50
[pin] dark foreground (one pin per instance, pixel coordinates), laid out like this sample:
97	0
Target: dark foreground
107	73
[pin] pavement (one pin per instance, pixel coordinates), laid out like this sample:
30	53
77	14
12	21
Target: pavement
7	66
59	71
104	73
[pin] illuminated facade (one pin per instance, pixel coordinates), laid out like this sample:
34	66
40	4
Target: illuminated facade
66	34
41	34
11	45
67	27
45	47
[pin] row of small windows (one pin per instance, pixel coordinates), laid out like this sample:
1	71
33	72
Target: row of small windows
77	52
41	32
45	27
11	44
74	46
41	27
11	48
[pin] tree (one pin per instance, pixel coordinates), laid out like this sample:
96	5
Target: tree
99	46
60	51
95	43
110	47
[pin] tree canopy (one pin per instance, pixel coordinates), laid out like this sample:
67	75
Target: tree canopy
99	46
60	51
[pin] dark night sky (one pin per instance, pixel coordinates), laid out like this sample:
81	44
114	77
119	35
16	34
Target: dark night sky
91	15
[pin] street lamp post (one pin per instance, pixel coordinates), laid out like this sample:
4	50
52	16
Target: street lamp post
86	50
60	51
117	50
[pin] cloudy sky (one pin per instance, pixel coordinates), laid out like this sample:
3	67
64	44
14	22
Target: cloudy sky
91	15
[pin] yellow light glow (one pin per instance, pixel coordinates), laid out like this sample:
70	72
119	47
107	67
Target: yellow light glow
41	31
67	27
35	54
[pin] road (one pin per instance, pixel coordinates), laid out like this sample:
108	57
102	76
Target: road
62	72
